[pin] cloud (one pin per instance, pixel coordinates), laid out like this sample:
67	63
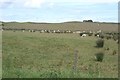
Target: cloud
5	3
50	3
21	3
34	3
86	1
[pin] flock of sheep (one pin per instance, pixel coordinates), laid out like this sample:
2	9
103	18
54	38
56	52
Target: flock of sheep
84	33
99	33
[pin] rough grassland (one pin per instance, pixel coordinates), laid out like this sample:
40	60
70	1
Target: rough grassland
65	26
52	55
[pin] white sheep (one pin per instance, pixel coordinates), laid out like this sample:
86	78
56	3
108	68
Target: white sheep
98	35
84	35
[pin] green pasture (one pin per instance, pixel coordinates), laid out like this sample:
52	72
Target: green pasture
51	55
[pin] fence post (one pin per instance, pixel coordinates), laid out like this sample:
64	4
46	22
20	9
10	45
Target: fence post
75	61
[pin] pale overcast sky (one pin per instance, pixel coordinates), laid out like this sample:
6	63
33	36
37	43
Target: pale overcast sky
58	10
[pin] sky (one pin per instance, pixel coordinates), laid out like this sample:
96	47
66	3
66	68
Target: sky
55	11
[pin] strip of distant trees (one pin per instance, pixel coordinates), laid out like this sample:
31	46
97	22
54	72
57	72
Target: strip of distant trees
87	21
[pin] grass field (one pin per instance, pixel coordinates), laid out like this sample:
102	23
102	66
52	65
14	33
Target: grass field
42	55
94	26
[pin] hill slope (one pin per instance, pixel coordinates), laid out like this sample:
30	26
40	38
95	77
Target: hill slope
93	26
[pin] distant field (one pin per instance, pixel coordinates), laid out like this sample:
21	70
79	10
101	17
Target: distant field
35	55
64	26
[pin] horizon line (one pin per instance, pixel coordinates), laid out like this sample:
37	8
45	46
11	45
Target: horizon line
57	22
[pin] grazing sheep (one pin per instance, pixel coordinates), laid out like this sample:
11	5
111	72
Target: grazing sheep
23	31
48	31
54	31
98	35
67	31
33	30
70	31
84	35
45	31
42	31
29	30
77	31
2	30
99	31
58	31
117	41
90	32
107	49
